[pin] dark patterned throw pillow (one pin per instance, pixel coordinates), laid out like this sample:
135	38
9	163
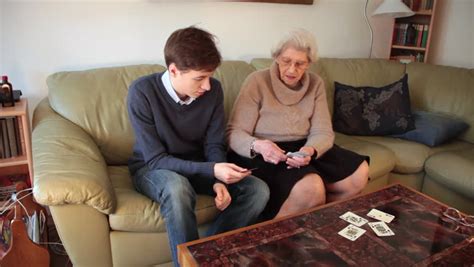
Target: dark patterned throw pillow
373	111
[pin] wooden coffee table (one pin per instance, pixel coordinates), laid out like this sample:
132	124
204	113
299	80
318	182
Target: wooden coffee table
423	237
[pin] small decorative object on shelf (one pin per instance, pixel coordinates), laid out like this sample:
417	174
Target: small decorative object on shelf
6	89
412	35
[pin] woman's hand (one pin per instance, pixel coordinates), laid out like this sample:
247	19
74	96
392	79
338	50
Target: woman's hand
297	162
270	151
229	173
223	198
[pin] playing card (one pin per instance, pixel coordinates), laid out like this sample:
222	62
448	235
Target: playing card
381	229
351	232
298	154
353	218
380	215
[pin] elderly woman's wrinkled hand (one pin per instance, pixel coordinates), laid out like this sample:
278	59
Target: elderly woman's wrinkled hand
297	162
270	151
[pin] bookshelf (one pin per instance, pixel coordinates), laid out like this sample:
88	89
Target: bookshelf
411	36
16	245
14	123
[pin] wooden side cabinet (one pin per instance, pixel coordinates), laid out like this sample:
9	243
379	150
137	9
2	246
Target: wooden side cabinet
411	36
15	157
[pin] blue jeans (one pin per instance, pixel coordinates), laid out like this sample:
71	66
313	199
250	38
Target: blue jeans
177	197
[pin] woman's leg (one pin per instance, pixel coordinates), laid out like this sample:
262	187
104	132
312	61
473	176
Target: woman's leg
307	193
349	186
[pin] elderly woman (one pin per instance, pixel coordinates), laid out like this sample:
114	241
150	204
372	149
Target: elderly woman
284	109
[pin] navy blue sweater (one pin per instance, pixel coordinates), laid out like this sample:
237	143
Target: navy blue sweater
187	139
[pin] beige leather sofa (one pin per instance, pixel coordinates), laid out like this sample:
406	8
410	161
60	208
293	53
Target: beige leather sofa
82	139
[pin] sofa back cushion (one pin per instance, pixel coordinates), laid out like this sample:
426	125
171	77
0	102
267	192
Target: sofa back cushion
358	72
96	100
232	74
443	89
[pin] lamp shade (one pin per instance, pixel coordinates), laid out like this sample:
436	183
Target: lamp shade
394	9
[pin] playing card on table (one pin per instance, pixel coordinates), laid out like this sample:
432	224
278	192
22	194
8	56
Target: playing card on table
353	218
380	215
381	229
351	232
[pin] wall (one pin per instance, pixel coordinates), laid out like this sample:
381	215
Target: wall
46	36
453	34
50	36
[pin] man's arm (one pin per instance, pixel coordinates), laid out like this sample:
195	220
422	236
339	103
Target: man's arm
214	144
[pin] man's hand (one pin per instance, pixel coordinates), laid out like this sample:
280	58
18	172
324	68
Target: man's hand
270	151
229	173
222	198
297	162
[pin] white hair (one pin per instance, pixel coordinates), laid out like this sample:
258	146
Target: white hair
299	39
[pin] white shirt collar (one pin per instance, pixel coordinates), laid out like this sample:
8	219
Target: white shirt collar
165	78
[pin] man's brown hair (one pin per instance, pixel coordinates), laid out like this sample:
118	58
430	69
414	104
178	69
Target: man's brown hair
192	48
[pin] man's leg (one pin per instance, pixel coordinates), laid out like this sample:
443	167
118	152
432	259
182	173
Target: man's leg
249	198
177	201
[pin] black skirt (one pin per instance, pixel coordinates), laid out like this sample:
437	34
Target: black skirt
336	164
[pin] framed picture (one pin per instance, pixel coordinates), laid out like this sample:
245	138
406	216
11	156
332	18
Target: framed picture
301	2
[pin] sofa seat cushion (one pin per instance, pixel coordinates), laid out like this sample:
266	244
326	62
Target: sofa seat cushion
453	169
451	146
410	156
137	213
382	160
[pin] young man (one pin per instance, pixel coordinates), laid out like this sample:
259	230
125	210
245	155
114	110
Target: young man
178	119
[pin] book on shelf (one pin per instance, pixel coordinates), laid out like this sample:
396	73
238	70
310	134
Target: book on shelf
11	138
425	36
20	136
419	34
419	5
410	34
4	138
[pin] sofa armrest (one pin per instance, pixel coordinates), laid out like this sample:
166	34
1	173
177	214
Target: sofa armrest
68	166
85	234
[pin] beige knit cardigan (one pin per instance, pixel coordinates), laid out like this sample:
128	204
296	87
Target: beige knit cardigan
267	109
